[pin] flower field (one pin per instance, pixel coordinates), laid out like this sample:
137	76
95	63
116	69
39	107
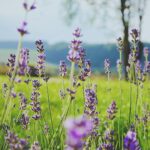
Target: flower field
75	110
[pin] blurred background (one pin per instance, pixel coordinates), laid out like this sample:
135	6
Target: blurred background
101	22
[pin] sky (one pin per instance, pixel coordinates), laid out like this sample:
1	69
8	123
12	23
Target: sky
47	23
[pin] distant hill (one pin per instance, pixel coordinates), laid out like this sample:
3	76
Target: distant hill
56	52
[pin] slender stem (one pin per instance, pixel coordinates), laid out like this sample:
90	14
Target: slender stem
49	105
130	103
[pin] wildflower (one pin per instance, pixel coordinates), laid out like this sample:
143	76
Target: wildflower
35	96
14	142
107	66
111	111
36	146
27	81
24	120
62	68
146	51
77	130
120	44
62	94
130	141
76	53
86	72
106	146
90	109
147	66
11	64
71	93
27	7
46	78
22	30
23	102
77	33
41	58
23	61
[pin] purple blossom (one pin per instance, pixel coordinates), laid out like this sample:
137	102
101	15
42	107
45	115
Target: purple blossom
72	93
35	146
14	142
76	53
23	61
130	141
90	109
77	33
35	97
11	64
24	120
112	110
106	146
27	7
146	51
23	102
147	67
120	44
86	72
41	58
22	30
107	66
77	130
62	68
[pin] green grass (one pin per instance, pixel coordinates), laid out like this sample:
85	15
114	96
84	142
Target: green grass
106	93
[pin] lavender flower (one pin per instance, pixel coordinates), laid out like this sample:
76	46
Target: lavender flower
111	111
147	67
23	102
24	120
77	33
86	72
120	44
107	66
77	130
35	96
62	68
27	7
130	141
11	64
146	51
36	146
22	30
76	53
14	142
71	93
90	109
23	61
41	58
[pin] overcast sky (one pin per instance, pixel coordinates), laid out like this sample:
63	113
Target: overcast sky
46	23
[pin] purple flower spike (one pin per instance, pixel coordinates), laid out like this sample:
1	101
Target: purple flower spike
146	51
130	141
15	143
107	66
112	109
32	7
77	33
76	53
77	130
41	58
22	30
36	146
28	7
23	61
120	44
62	68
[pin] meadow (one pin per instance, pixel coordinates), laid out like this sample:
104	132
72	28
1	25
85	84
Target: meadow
74	110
